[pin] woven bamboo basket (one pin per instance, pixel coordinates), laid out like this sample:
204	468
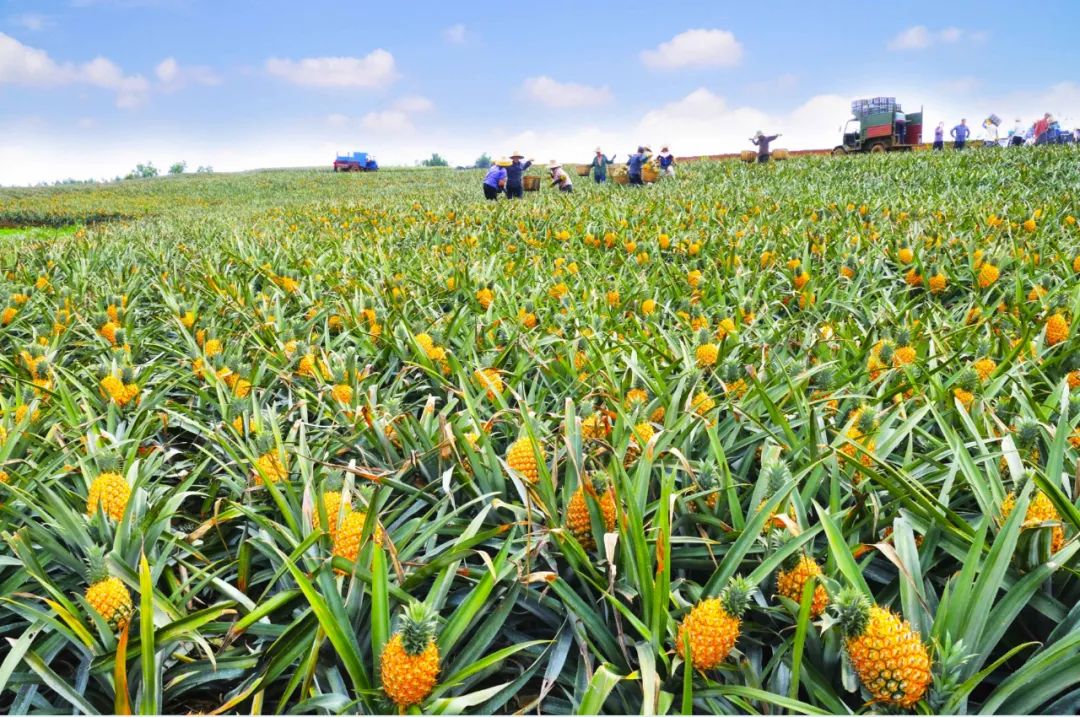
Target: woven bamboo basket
620	178
780	155
583	170
531	183
748	155
649	173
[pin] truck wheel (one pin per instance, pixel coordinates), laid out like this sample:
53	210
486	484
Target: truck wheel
878	147
839	152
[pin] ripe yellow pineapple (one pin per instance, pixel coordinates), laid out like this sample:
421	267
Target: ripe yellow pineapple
490	381
409	665
578	518
703	403
331	501
1040	510
706	354
269	466
988	274
792	578
107	594
521	458
110	492
713	626
888	656
1057	329
349	533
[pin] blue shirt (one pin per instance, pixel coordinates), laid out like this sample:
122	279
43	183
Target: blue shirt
494	176
961	132
635	163
515	172
666	161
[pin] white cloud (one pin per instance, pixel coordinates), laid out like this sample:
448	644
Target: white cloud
387	122
920	37
695	48
28	66
173	75
413	104
373	71
31	21
552	93
455	34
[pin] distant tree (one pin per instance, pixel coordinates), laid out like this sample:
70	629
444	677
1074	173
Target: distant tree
143	171
483	162
435	161
204	170
178	168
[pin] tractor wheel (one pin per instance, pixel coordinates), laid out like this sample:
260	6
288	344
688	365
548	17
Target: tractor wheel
839	152
878	147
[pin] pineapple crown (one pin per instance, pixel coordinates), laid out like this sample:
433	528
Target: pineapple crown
867	421
776	475
852	611
108	464
127	375
1027	433
824	379
417	627
735	598
903	337
968	379
709	476
96	567
732	372
887	351
982	348
703	336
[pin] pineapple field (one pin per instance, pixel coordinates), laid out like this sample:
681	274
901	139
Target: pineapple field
801	438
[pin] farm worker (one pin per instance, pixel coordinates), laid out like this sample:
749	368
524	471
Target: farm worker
559	177
667	161
939	136
1016	134
1041	127
599	166
960	133
514	173
900	120
635	163
495	181
762	141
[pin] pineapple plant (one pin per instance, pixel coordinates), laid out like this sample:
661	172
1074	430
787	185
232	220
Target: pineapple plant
888	656
521	456
1040	510
792	577
409	664
106	593
578	517
109	491
712	627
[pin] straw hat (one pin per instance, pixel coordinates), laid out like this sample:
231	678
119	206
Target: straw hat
759	133
554	165
517	155
503	162
647	148
597	150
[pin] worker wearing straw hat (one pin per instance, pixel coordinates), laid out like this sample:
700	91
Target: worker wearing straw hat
762	141
559	177
515	188
599	166
495	181
635	163
666	160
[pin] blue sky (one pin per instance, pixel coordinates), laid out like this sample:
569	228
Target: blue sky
89	87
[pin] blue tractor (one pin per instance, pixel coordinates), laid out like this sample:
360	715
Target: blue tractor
355	162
